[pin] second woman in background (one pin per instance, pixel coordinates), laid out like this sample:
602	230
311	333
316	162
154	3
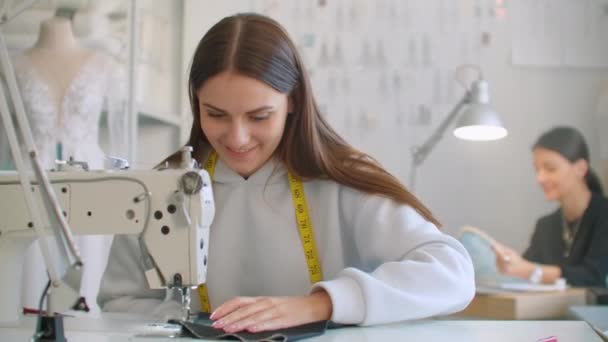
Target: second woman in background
571	242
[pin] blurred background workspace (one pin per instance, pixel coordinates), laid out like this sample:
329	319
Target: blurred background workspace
386	73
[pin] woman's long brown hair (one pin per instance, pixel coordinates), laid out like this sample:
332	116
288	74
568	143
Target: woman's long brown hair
257	46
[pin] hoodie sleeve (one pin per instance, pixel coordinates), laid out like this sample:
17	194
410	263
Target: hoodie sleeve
124	287
404	267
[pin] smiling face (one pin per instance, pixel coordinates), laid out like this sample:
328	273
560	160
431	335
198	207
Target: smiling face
556	175
243	120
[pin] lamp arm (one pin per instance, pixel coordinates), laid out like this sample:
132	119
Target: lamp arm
15	147
419	153
51	206
9	13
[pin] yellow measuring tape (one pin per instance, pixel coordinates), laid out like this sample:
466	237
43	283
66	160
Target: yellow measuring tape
304	228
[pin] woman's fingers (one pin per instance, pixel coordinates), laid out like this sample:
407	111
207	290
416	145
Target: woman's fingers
270	313
271	324
498	248
231	315
230	306
255	321
504	254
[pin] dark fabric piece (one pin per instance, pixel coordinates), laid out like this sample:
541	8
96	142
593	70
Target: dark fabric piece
201	329
587	263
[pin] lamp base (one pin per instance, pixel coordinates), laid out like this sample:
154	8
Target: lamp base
50	329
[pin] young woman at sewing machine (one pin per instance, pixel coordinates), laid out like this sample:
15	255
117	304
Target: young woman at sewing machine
572	241
369	252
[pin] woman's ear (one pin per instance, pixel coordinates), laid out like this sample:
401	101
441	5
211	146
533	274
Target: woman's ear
581	167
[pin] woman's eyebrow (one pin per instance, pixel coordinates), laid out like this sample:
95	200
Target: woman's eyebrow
253	111
214	108
260	109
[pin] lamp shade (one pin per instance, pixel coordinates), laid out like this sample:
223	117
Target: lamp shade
478	121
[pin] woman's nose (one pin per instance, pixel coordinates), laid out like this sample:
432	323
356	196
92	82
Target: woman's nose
238	135
540	176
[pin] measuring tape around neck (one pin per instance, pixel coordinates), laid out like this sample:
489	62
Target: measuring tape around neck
305	229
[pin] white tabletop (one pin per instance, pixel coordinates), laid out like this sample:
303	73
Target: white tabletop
117	327
595	315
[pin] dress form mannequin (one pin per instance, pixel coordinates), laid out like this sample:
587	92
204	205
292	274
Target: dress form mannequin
57	57
64	88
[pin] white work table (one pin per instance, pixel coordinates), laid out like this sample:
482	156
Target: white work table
595	315
123	327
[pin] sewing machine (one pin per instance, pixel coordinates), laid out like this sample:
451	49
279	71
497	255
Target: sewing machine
170	210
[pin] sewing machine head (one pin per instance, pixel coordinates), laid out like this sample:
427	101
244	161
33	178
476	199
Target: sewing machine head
170	210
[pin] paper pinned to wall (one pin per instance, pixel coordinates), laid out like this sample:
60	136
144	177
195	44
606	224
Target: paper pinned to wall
536	32
587	37
560	33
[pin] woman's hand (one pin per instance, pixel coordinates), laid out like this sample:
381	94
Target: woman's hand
509	262
257	314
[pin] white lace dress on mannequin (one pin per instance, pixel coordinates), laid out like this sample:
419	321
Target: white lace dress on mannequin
76	124
97	86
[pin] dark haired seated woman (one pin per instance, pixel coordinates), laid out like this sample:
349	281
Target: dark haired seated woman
373	253
572	242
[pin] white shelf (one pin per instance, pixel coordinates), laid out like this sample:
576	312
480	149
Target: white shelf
146	117
163	118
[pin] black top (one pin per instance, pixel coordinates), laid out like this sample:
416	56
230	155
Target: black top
587	261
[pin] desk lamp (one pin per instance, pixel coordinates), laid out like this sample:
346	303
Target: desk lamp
477	122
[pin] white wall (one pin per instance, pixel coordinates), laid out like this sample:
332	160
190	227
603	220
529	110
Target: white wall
159	85
490	185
